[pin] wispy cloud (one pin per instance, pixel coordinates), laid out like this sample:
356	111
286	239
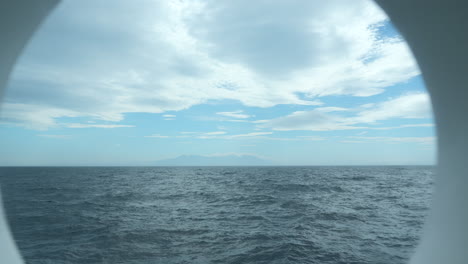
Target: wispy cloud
79	125
409	106
247	135
204	53
421	140
237	121
215	133
403	126
55	136
314	120
169	117
157	136
313	138
352	141
210	135
221	135
235	114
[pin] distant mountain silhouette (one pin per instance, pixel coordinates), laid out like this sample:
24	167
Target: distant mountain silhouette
227	160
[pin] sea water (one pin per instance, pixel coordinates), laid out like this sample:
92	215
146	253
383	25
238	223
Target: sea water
217	214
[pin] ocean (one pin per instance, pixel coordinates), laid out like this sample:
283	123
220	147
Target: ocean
217	214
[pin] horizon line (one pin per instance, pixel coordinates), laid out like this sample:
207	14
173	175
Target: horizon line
168	166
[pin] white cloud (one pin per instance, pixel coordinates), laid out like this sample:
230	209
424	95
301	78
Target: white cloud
78	125
416	105
33	116
421	140
215	133
248	135
351	141
403	126
223	135
409	106
54	136
237	120
313	138
260	121
251	135
157	136
211	135
169	117
331	109
314	120
234	114
161	56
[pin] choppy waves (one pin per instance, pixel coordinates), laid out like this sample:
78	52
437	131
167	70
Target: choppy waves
217	214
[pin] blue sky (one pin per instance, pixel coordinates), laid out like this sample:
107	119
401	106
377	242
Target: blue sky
293	82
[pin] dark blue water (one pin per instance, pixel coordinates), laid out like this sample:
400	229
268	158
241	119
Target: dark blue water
217	214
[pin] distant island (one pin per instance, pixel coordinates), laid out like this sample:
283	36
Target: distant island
224	160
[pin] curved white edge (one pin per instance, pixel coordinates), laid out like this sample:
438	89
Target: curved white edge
8	251
437	33
18	21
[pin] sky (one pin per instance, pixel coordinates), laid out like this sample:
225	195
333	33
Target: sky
117	82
